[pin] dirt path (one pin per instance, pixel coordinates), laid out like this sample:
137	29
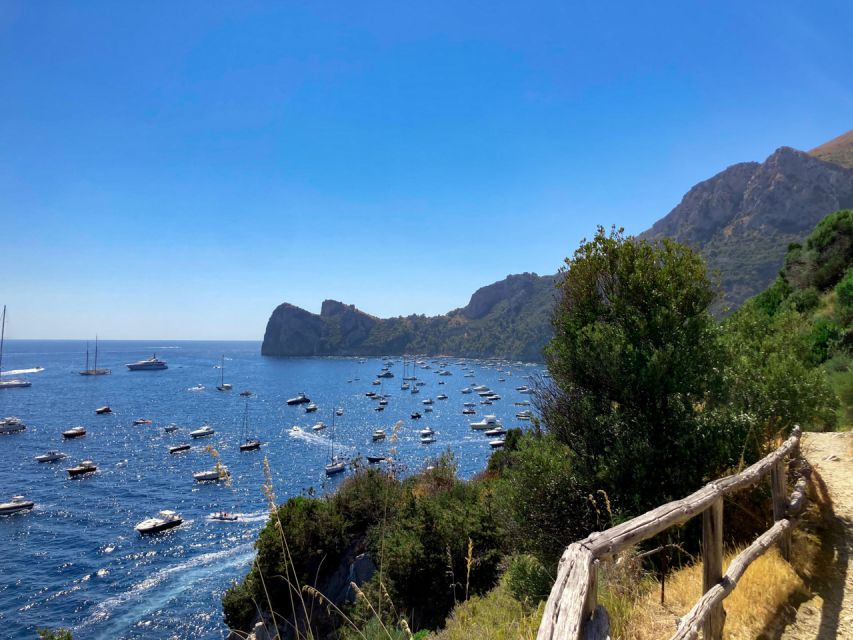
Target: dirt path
829	615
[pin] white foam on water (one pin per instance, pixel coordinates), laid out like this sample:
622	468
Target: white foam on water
306	436
16	372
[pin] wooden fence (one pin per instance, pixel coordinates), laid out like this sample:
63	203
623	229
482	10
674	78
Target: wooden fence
572	612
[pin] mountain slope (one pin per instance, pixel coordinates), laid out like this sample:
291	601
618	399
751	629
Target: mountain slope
838	150
743	219
508	319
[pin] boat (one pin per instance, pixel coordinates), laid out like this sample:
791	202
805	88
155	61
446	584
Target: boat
428	409
319	426
84	468
488	422
497	444
169	428
94	371
335	465
300	398
466	390
198	387
441	396
385	374
428	439
467	411
103	410
426	432
223	516
524	415
339	412
497	431
376	382
219	472
379	434
416	415
381	407
248	444
445	372
375	459
12	424
151	364
203	431
415	390
223	386
13	383
140	421
427	401
16	504
161	522
245	393
179	447
523	403
51	456
74	432
311	407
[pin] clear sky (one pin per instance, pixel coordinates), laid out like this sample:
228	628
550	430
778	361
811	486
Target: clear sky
177	169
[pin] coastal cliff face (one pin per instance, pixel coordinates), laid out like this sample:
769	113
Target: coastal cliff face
743	219
509	319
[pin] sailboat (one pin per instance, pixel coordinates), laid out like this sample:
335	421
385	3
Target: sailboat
13	383
94	371
248	444
335	464
223	386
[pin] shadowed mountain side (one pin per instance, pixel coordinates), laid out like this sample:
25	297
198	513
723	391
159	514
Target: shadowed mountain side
743	219
507	319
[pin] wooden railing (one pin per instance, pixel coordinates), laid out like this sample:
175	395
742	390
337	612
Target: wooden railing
572	612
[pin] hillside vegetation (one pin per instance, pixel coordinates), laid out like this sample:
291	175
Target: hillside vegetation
643	378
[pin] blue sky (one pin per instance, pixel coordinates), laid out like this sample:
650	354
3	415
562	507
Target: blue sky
176	170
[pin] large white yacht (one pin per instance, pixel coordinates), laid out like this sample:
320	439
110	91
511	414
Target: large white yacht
151	364
488	422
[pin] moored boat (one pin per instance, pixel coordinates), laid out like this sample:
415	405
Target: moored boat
250	444
379	434
300	398
151	364
203	431
179	447
161	522
51	456
103	410
311	407
335	465
488	422
140	421
12	424
220	472
84	468
74	432
16	504
223	516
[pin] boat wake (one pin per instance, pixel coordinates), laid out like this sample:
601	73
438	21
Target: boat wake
312	438
159	588
17	372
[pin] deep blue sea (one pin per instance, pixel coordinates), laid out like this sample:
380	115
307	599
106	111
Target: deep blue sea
76	561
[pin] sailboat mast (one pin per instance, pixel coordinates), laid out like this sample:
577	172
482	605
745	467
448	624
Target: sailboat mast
2	337
222	375
87	356
96	351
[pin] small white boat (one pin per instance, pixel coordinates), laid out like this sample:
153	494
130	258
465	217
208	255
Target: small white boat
198	387
428	408
319	426
427	401
220	472
376	383
169	428
51	456
12	425
497	431
488	422
523	403
164	520
427	439
466	390
141	421
467	411
379	434
415	390
339	412
426	432
74	432
311	407
223	516
497	444
202	431
441	396
17	503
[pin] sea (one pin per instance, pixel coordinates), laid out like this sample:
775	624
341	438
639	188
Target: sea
75	561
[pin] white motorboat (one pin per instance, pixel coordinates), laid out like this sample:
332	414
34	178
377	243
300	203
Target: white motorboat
17	503
339	411
198	387
12	425
441	396
151	364
74	432
84	468
311	407
141	421
466	390
223	516
426	432
102	411
379	434
51	456
488	422
202	431
497	431
319	426
523	403
497	444
429	439
428	408
468	411
427	401
524	415
169	428
161	522
220	472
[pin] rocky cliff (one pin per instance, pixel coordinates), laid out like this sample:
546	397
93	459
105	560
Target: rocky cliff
743	219
509	319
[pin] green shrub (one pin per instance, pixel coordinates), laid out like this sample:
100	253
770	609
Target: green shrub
527	580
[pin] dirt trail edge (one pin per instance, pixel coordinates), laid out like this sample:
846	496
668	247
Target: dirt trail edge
829	615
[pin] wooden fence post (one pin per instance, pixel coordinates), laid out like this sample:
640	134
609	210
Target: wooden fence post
712	565
778	481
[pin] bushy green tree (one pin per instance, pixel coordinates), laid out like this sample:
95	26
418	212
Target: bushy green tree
634	357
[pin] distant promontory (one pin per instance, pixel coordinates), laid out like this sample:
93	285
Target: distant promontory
507	319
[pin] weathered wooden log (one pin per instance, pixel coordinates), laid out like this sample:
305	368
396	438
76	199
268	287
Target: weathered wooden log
712	566
568	608
778	480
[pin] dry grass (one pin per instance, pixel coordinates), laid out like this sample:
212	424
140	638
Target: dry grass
765	590
493	616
